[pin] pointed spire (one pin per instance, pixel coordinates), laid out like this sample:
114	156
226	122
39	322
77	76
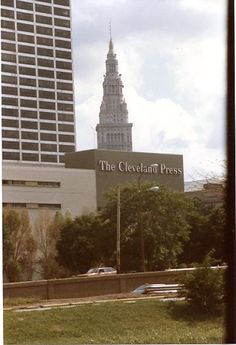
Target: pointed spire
110	47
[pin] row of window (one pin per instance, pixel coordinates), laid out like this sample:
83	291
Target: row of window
27	103
43	73
33	157
46	84
21	4
6	90
41	30
15	145
29	60
32	205
39	19
14	112
51	184
63	138
46	126
9	13
27	49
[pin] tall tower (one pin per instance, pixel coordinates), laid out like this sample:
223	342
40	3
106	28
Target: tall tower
37	86
113	131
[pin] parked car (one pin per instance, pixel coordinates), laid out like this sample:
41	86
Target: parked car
101	270
156	288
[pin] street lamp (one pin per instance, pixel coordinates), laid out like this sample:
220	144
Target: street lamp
118	232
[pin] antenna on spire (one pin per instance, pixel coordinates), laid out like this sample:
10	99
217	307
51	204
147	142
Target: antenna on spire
110	27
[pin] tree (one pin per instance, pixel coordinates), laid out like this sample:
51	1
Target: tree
162	216
19	246
47	231
81	243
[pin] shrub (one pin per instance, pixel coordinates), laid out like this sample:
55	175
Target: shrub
204	288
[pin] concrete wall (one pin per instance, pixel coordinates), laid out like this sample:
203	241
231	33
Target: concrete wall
89	286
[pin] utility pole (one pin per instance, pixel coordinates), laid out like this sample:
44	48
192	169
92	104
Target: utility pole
118	232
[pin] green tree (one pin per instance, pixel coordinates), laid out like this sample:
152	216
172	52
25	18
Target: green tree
161	216
19	246
80	245
47	232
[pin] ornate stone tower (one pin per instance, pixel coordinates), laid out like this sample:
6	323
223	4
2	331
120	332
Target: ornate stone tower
113	131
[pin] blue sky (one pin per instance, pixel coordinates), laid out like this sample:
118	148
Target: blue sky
172	56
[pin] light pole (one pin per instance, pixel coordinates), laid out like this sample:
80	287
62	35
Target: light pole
118	232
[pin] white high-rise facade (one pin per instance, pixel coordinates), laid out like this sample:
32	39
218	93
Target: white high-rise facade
37	83
114	132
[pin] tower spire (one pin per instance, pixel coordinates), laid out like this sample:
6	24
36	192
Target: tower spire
110	27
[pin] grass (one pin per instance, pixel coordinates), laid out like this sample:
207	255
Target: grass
142	321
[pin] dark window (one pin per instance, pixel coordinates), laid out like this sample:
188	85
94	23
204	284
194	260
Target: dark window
30	156
46	62
46	73
8	57
10	123
64	86
49	158
66	117
62	159
25	16
62	33
25	27
43	31
66	128
46	105
63	54
10	36
10	134
44	41
9	90
8	25
9	112
29	124
10	101
63	44
66	138
67	148
9	46
26	60
30	146
7	13
47	126
27	81
45	1
8	3
43	9
25	38
11	156
26	49
43	19
62	2
64	75
27	103
65	96
52	206
45	52
63	65
29	114
62	22
29	135
8	79
65	106
48	137
49	147
27	71
28	92
47	84
24	5
46	94
10	145
47	116
8	68
61	12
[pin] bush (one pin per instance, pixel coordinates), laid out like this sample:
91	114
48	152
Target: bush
204	288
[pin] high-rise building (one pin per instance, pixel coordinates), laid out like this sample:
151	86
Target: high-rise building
37	84
113	131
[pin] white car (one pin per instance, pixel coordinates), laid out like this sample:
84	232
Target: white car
101	270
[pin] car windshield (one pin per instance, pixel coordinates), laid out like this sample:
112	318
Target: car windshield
92	270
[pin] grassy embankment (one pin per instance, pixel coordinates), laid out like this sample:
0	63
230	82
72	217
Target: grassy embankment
141	321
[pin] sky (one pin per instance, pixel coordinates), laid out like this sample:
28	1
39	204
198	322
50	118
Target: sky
172	57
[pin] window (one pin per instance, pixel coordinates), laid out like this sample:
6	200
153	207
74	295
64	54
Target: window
65	106
62	33
49	158
45	52
43	9
27	103
49	147
61	12
46	94
28	92
29	135
25	27
48	126
47	84
63	54
27	81
62	22
26	49
10	134
9	46
66	128
9	90
48	137
67	148
62	2
46	73
43	19
24	5
7	24
47	116
30	146
26	60
8	79
64	75
9	68
29	114
11	156
64	86
46	63
66	117
7	13
29	124
27	71
44	41
46	105
10	101
25	38
30	157
66	138
43	30
10	112
65	96
10	36
10	145
25	16
63	65
63	44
